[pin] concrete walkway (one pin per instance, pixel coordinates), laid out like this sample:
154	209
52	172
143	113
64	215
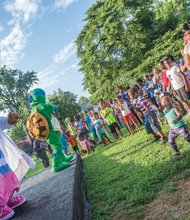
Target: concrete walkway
54	196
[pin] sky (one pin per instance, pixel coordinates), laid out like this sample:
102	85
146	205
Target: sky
39	35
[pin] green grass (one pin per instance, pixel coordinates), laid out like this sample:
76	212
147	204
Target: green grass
39	167
128	174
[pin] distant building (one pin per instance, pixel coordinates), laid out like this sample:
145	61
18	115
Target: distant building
85	106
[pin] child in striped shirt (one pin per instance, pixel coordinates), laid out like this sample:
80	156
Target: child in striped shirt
151	123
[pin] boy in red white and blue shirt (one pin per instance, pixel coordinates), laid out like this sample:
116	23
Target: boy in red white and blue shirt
151	122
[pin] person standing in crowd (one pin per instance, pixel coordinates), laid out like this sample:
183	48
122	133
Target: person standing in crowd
107	114
150	87
177	125
177	82
142	87
88	120
40	148
157	79
64	143
182	66
123	94
186	52
80	126
99	126
152	125
111	103
118	114
164	78
73	142
128	116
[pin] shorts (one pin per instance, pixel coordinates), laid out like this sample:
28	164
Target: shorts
129	117
103	135
183	96
113	127
75	148
150	128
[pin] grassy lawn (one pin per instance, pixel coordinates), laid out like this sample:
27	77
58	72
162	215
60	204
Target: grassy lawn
39	166
123	177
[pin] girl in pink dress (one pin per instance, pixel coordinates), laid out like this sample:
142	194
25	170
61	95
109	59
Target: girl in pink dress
85	144
11	159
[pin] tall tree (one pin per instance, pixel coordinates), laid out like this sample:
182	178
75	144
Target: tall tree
14	88
117	36
66	102
14	93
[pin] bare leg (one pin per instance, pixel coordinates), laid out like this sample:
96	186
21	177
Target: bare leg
115	136
129	127
186	106
136	124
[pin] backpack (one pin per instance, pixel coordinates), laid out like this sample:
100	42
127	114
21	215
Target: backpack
55	123
37	126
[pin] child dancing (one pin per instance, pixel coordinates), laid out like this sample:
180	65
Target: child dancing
14	164
177	125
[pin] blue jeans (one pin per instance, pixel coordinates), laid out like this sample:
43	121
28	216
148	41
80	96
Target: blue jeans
149	126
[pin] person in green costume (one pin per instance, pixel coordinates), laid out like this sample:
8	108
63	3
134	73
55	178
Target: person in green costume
38	103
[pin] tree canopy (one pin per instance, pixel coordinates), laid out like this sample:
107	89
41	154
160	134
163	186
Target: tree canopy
14	88
66	102
14	92
122	40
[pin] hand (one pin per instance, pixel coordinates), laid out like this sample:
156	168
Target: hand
154	121
13	118
175	121
174	92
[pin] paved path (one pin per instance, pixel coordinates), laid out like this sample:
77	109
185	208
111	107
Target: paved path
49	195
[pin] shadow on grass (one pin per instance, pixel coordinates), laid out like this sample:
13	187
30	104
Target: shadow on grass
133	181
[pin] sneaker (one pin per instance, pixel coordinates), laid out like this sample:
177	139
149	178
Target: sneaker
16	201
156	138
176	155
6	213
164	140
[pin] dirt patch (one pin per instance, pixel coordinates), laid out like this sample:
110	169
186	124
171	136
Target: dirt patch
120	214
174	205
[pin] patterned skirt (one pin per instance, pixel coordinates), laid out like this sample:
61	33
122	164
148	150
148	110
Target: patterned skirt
8	181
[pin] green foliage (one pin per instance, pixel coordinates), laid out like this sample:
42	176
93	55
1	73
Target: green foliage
14	88
131	172
66	102
14	93
124	39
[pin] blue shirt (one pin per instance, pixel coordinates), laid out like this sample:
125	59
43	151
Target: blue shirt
124	97
151	91
88	122
64	141
98	123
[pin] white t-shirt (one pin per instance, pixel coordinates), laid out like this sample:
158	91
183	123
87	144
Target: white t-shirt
126	111
186	50
175	77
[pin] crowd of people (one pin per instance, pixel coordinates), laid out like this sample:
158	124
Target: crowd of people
164	92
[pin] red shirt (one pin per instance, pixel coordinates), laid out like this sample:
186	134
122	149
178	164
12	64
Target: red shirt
165	79
72	141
